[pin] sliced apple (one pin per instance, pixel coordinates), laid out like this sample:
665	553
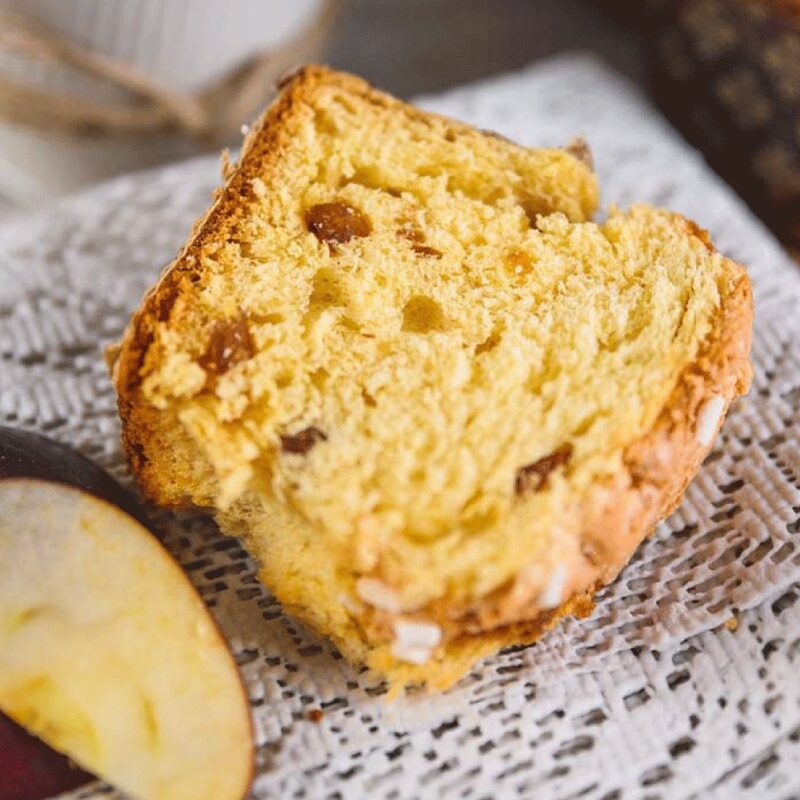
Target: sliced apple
30	770
107	652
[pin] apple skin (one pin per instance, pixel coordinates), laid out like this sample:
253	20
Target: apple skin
24	454
33	464
30	769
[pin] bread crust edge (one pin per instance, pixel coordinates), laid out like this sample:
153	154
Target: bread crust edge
614	519
657	467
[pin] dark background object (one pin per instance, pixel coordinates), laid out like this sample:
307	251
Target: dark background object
410	47
725	72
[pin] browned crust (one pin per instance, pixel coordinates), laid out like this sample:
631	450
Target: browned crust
446	668
615	518
260	151
579	148
140	421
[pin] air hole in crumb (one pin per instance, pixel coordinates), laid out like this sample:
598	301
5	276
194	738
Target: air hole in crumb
422	314
369	180
411	233
283	379
325	123
424	250
418	475
480	521
533	207
319	378
273	318
246	250
327	290
451	182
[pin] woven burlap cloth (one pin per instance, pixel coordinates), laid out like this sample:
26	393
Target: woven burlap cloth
685	682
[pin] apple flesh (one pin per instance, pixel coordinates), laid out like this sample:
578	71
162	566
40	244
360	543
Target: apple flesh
107	652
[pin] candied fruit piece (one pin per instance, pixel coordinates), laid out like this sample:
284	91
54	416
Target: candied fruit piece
302	441
518	263
424	250
337	222
533	477
229	344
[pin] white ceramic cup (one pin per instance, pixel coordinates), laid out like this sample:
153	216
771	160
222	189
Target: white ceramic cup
184	45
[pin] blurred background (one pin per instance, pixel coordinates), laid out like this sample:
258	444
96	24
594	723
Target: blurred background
92	88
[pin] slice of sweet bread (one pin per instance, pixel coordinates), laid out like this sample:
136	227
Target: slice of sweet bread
438	406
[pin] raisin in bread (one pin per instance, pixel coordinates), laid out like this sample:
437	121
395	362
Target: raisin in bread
438	405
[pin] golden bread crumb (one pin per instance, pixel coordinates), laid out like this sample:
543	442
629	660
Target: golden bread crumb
439	406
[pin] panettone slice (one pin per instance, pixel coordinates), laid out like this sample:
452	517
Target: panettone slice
438	406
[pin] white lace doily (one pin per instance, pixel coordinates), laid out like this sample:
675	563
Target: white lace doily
654	696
